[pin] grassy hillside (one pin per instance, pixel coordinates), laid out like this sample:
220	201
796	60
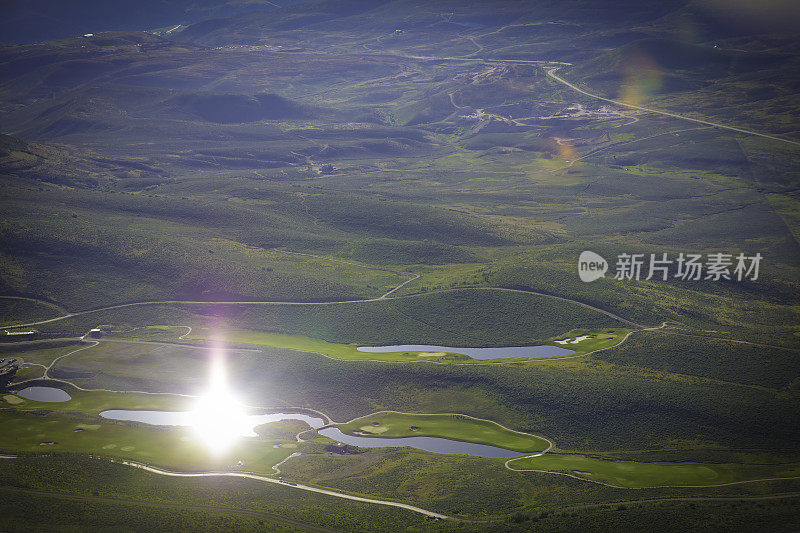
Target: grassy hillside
396	172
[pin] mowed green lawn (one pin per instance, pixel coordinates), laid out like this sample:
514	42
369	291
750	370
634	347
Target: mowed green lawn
168	447
602	339
583	341
42	354
339	351
93	402
631	474
456	427
280	340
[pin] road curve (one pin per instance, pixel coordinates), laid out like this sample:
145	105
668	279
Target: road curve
338	302
266	479
550	443
552	66
552	73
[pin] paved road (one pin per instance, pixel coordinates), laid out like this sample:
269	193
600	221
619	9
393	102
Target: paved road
552	73
552	66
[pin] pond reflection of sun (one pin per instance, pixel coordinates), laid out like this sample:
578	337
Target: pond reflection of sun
219	419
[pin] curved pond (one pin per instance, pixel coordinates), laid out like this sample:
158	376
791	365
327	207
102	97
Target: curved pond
544	350
430	444
186	418
44	394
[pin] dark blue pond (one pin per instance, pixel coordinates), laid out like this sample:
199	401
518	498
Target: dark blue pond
186	418
507	352
430	444
44	394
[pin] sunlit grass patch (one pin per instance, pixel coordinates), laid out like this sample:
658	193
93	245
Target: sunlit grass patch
449	426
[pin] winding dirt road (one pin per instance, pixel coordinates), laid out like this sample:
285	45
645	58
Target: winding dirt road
338	302
551	71
266	479
551	67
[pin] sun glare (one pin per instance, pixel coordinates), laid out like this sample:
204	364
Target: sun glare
219	419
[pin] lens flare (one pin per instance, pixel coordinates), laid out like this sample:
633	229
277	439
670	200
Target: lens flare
219	419
567	151
643	79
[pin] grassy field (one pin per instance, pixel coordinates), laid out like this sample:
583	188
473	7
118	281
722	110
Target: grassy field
601	339
584	403
374	472
172	448
632	474
456	427
92	513
40	353
187	165
170	499
74	485
482	488
457	486
93	402
137	366
701	355
583	341
307	344
481	318
457	205
20	311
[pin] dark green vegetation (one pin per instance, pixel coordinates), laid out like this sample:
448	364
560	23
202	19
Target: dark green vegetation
460	318
175	449
600	340
39	20
745	87
94	480
638	474
582	404
187	162
491	491
97	480
703	355
18	310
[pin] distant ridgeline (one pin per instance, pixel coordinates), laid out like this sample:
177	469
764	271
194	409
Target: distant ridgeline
28	21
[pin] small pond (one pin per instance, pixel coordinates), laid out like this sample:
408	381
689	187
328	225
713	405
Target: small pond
507	352
430	444
185	418
44	394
